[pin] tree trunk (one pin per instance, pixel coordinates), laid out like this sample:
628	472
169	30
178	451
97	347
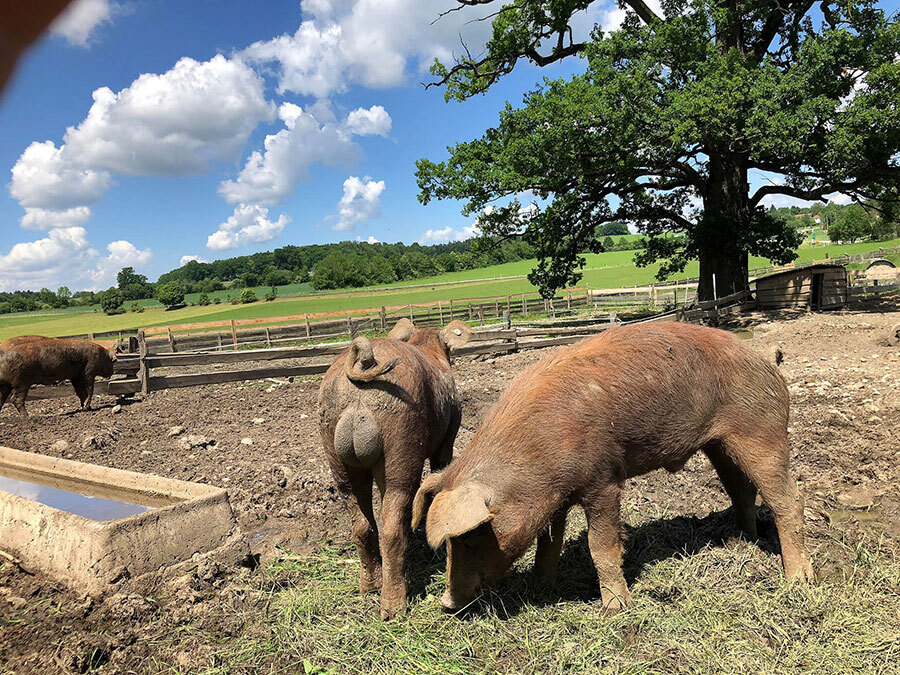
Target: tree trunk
726	216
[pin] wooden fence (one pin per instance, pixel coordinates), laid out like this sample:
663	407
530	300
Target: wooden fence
137	371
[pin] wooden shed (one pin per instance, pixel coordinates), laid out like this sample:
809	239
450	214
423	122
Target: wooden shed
817	287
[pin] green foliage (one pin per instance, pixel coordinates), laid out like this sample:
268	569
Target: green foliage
136	308
217	301
666	123
608	244
111	301
203	300
852	224
271	294
170	294
614	227
247	296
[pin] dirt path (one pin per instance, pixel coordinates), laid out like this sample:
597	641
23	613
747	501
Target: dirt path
261	441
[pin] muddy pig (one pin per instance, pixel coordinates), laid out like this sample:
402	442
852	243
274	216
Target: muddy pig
33	359
385	406
571	428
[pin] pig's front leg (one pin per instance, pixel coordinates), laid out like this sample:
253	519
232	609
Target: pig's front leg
396	512
605	541
549	547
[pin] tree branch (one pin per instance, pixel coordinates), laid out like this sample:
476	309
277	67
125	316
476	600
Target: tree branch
648	16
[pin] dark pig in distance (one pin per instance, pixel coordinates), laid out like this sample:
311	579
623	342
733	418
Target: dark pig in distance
33	359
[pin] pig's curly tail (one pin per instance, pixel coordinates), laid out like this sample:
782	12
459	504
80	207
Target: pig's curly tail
361	366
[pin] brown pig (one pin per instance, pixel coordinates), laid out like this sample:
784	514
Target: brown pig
571	429
33	359
385	406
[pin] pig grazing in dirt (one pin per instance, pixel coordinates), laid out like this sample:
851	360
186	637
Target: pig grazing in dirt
574	426
385	406
33	359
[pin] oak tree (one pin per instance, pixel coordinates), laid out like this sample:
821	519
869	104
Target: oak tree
672	113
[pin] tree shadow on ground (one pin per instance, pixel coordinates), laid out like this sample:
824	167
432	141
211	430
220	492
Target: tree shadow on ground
645	545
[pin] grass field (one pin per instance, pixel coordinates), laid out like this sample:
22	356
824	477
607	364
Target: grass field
712	610
604	270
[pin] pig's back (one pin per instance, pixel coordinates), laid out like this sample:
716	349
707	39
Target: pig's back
647	392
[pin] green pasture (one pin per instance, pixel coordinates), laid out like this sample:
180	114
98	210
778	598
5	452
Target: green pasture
614	269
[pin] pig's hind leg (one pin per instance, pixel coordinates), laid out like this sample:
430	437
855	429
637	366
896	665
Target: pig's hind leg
766	462
83	391
442	456
738	486
5	390
355	486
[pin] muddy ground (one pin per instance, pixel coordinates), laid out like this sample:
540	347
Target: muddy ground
260	440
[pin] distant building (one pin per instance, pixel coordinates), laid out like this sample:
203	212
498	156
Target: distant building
816	287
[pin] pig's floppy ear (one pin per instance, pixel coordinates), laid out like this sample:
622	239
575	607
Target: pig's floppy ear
402	330
455	334
431	485
455	512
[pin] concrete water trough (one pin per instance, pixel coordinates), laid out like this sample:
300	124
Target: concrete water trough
90	526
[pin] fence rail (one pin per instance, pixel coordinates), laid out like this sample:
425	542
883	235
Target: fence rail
139	377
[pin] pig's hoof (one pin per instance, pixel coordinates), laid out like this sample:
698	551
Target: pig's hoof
613	603
802	573
388	613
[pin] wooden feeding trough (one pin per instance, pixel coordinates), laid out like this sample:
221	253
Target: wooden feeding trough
817	287
89	526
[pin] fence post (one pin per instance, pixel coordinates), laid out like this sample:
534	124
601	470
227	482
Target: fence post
268	339
219	338
233	334
383	319
481	313
441	312
568	299
507	320
471	315
306	319
524	306
497	307
143	370
410	313
350	327
171	340
509	303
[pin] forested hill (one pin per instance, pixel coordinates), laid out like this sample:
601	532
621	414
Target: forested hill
341	265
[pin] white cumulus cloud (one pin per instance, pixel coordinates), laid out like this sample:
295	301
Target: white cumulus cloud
374	43
445	234
185	259
249	224
48	219
174	123
45	177
359	203
79	20
373	121
121	254
369	240
271	175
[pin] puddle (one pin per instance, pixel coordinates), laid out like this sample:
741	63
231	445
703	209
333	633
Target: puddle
841	516
94	503
742	333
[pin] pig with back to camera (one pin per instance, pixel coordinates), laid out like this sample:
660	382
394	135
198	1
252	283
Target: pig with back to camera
385	406
27	360
574	426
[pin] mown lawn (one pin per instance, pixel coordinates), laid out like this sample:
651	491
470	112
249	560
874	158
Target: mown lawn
604	270
709	608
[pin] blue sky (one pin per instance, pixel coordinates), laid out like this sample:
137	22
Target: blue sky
138	132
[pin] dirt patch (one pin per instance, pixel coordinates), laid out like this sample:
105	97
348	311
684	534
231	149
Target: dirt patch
260	440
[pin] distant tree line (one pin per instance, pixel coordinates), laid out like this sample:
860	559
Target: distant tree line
848	223
344	265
